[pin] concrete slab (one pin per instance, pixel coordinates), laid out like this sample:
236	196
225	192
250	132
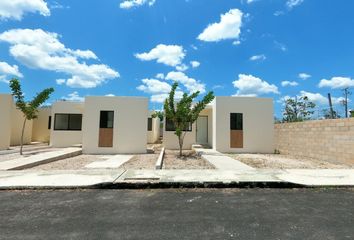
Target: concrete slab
319	177
35	160
198	176
113	162
56	179
223	162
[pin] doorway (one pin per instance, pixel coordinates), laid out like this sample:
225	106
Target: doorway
202	130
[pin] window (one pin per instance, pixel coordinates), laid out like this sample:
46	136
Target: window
106	119
49	122
236	121
68	122
171	127
150	124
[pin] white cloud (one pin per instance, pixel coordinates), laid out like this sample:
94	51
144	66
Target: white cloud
171	55
195	64
237	42
250	1
154	86
290	4
183	67
74	96
260	57
60	81
160	76
110	95
8	70
229	27
249	85
280	46
337	82
15	9
135	3
289	83
319	99
160	98
190	84
304	76
42	50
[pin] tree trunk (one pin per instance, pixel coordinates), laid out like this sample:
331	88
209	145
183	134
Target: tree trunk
23	130
180	141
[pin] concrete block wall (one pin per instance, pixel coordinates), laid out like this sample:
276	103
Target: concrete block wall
330	140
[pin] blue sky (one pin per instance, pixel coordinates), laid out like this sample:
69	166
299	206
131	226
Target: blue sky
264	48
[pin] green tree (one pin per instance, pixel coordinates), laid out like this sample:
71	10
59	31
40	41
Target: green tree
327	114
184	112
298	109
29	109
158	114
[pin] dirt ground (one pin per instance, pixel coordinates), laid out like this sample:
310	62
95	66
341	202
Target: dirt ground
72	163
278	161
190	160
142	161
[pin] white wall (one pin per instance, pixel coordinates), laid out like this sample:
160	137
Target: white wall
153	135
60	138
130	124
5	120
258	123
40	131
17	120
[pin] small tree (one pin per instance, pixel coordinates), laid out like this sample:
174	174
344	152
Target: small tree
328	115
182	114
29	109
158	114
298	109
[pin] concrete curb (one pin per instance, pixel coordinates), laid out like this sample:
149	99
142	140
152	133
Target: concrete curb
159	161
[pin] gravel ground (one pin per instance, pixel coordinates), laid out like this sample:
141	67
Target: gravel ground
142	161
278	161
189	161
73	163
12	156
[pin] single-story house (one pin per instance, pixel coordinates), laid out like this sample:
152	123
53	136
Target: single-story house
11	122
103	125
229	124
153	128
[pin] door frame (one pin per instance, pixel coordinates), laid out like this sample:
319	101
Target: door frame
207	130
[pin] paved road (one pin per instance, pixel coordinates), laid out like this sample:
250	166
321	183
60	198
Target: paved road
178	214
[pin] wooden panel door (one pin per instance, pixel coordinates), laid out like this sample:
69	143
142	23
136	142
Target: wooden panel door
105	137
236	138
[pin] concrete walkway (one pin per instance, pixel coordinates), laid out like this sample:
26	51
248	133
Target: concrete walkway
57	179
41	158
223	162
113	162
120	178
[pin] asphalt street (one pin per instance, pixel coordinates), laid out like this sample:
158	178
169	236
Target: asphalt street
178	214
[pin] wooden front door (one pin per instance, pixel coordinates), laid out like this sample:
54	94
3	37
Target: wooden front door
236	130
105	138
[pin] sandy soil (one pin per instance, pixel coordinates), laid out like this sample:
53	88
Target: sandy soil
73	163
189	161
278	161
142	161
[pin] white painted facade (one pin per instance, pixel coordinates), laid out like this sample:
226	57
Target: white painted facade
258	126
153	135
129	126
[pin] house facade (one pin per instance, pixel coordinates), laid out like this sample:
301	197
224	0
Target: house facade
103	125
11	122
230	124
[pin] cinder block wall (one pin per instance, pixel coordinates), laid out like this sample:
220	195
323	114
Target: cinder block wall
329	140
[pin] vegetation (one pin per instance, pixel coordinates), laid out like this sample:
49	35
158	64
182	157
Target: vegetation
29	109
184	113
298	109
158	114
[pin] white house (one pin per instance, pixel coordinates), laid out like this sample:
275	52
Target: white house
230	124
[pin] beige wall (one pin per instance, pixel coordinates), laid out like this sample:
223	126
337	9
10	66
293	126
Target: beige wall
5	120
40	131
17	120
154	135
65	138
258	129
130	124
330	140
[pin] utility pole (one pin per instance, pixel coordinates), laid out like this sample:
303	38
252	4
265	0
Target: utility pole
345	101
330	105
